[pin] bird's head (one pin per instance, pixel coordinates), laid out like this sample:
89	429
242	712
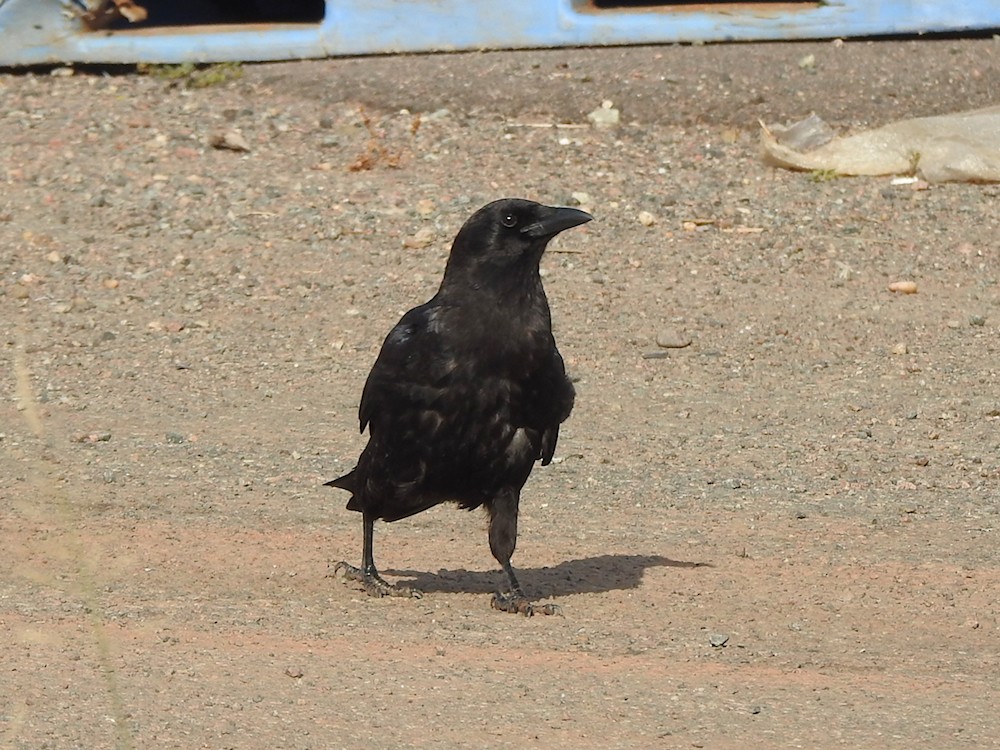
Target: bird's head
506	237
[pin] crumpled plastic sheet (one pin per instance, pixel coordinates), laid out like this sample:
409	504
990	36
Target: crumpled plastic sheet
960	147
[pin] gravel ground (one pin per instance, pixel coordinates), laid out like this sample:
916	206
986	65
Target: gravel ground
780	535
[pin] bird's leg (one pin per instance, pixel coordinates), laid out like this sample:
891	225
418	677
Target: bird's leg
367	575
503	539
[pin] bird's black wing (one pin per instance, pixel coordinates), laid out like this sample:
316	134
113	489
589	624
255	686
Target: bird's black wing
549	401
408	377
404	407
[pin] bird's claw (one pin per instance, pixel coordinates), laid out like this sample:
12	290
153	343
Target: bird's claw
518	603
373	584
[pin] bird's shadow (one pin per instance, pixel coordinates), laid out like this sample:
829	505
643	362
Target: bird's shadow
587	576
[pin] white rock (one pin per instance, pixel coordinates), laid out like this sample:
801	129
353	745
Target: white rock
605	116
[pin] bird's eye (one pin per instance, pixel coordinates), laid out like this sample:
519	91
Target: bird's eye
508	220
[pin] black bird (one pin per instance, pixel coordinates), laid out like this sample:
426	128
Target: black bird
468	391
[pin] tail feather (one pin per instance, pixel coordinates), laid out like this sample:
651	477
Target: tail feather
347	482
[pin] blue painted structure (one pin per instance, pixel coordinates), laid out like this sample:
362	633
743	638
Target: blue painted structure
45	31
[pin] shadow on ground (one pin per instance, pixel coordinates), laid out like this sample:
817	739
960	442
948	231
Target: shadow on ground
587	576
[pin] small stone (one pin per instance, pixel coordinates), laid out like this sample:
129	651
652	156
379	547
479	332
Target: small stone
426	207
605	116
91	437
903	287
732	484
899	349
173	326
671	339
646	218
921	460
175	438
954	324
20	292
718	640
438	114
580	198
230	140
420	239
977	320
110	283
808	62
294	672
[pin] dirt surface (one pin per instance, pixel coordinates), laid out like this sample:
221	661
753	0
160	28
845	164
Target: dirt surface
782	535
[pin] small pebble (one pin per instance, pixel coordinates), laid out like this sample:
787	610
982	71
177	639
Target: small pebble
175	438
903	287
646	218
670	339
91	437
718	640
420	239
437	115
229	141
605	116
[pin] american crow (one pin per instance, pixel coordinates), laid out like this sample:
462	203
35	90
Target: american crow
468	391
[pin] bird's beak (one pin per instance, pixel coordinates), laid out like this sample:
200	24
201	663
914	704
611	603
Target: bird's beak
555	221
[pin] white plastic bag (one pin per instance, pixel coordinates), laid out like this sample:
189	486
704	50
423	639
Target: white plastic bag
962	147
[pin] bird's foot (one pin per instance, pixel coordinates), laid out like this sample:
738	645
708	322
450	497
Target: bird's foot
517	603
372	583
